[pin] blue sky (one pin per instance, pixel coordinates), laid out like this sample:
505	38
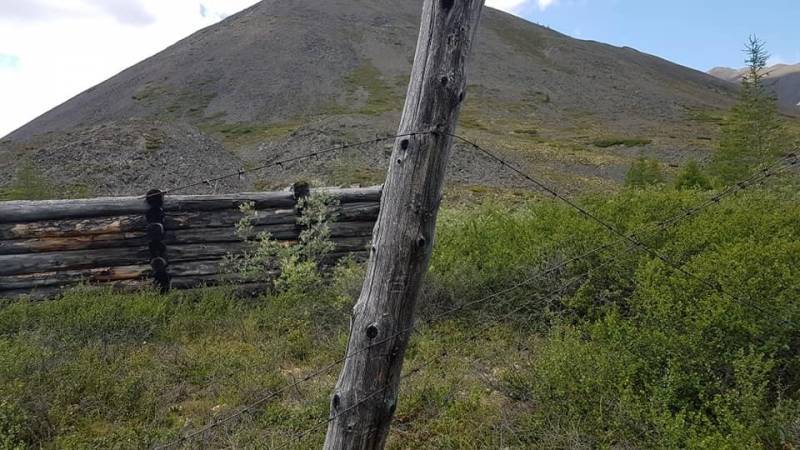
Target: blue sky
697	33
50	50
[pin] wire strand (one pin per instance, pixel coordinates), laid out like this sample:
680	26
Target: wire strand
631	238
281	162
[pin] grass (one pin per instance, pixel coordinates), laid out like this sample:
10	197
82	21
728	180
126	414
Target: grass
30	184
522	42
381	96
241	134
634	355
617	142
188	102
344	172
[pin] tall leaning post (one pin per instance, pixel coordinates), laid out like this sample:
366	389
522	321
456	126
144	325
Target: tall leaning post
365	397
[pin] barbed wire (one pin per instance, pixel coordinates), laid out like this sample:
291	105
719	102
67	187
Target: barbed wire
792	160
759	176
444	353
281	162
756	178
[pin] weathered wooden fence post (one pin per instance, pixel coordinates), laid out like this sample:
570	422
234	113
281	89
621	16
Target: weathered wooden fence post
365	397
155	232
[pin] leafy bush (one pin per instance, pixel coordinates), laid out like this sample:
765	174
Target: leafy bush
673	363
297	264
631	355
13	426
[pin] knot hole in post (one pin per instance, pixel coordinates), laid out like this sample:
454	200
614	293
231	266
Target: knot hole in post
447	4
372	331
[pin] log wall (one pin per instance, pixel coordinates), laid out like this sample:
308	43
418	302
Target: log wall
48	246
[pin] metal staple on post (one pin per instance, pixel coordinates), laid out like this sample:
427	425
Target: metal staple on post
155	233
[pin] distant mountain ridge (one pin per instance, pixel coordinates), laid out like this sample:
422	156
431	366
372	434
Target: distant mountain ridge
281	77
783	79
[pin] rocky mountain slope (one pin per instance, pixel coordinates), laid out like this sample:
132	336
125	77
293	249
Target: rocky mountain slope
281	78
783	79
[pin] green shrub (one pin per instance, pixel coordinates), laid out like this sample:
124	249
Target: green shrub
672	363
632	355
13	426
692	177
298	264
644	172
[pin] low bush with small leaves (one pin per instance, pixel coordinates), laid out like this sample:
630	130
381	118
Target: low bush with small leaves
615	349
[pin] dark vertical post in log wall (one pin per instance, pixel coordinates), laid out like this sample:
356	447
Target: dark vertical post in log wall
155	233
365	397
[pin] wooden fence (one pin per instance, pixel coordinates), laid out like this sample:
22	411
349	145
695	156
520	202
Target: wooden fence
173	241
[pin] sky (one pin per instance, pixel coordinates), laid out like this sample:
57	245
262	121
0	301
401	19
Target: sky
51	50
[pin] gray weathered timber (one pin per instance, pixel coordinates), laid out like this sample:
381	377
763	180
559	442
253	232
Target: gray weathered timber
288	231
113	257
365	397
72	277
32	211
72	228
346	212
107	274
50	284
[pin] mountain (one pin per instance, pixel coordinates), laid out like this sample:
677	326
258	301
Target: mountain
782	79
283	77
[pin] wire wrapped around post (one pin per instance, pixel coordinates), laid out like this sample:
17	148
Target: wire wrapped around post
155	234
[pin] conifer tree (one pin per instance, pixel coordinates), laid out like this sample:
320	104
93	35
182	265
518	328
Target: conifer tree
753	133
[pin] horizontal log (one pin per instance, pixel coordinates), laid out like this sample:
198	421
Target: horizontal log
350	212
187	275
72	227
113	257
58	244
32	211
105	275
186	236
71	277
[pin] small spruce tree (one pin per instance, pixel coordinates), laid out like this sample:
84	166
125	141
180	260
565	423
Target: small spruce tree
692	177
753	132
644	172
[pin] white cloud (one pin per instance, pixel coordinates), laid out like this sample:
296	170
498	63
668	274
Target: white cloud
58	48
512	6
516	6
544	4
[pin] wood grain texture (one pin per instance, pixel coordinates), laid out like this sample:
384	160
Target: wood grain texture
32	211
114	257
289	231
346	212
365	397
52	245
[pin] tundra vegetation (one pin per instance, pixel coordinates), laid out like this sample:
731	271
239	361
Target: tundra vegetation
633	354
613	350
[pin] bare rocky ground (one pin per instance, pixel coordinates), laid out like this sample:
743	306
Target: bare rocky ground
284	78
124	157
